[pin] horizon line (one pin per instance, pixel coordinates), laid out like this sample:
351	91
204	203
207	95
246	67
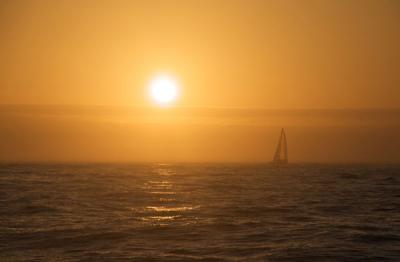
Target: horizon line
123	162
148	106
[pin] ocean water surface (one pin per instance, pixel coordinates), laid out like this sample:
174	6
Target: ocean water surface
199	212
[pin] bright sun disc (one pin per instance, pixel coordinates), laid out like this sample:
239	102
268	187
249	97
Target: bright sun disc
163	90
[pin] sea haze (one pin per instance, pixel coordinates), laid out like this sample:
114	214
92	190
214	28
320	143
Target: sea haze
199	212
196	134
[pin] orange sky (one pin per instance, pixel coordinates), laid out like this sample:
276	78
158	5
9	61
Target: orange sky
273	54
199	134
234	59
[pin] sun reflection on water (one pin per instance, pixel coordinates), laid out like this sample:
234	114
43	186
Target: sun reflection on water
171	209
159	218
166	206
162	193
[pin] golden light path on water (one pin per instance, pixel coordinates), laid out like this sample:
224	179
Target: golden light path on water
168	206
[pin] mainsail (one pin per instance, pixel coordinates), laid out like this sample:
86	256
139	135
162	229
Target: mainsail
281	154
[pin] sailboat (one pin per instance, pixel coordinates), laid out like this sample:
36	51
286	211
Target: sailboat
281	154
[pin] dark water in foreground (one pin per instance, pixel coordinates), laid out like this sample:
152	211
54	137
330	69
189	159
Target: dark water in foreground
199	213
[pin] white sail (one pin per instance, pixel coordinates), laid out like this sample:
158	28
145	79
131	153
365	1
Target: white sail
281	153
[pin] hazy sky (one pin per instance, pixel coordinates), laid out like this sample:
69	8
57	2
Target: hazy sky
248	53
103	133
327	71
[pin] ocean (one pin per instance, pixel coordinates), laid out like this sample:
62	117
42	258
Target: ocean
199	212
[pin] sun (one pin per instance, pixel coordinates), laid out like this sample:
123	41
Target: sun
163	90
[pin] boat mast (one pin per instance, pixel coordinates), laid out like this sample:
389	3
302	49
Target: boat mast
285	151
281	153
